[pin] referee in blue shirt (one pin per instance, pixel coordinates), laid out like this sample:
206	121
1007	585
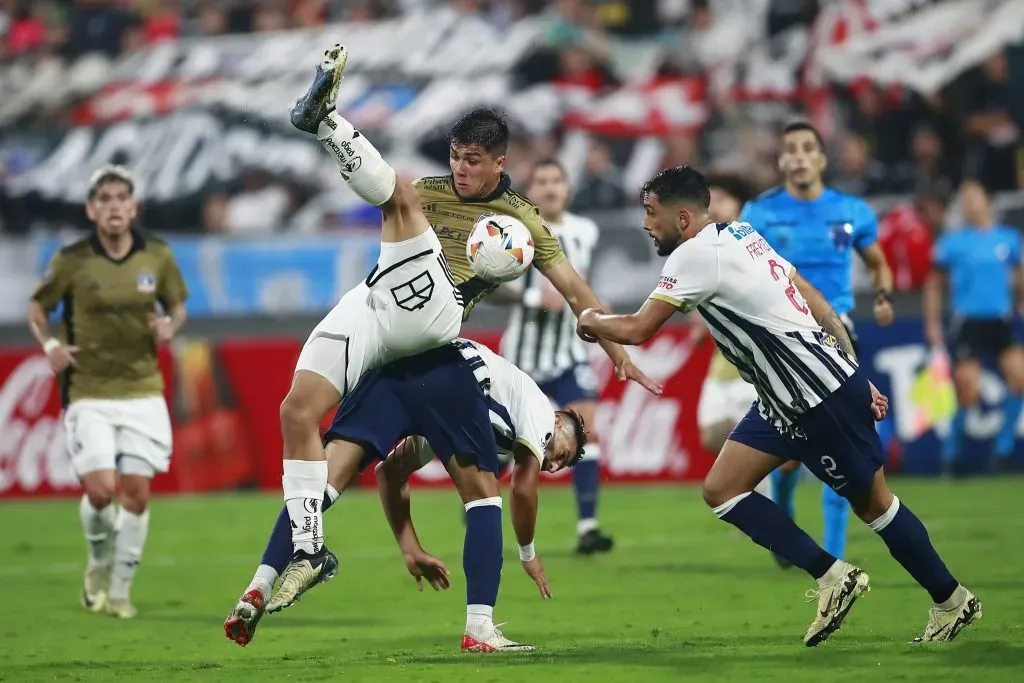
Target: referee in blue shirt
817	229
981	263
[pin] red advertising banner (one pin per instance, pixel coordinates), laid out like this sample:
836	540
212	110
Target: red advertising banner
225	397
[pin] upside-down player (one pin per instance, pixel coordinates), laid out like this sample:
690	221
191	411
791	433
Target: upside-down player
469	405
541	340
414	299
817	229
814	403
118	428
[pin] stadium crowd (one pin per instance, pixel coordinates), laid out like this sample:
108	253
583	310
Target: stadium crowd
882	141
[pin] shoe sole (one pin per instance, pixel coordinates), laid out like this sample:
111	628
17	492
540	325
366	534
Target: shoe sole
862	586
323	578
241	628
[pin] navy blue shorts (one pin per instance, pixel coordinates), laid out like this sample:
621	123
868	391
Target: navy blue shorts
434	395
574	385
842	447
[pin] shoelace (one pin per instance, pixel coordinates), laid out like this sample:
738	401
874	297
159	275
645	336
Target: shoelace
812	594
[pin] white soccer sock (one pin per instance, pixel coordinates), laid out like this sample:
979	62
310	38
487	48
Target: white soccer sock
361	165
263	580
585	525
131	539
954	600
764	487
98	526
834	573
479	620
304	482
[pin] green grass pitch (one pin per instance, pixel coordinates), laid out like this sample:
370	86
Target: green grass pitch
682	597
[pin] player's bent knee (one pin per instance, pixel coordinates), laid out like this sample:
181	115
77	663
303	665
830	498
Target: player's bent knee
310	397
100	488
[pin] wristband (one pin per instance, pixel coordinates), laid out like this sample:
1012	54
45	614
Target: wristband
526	552
531	298
884	294
51	344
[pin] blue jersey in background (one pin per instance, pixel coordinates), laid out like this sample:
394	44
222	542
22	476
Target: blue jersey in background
980	263
818	237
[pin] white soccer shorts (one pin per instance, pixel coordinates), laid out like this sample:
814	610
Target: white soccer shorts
724	400
131	435
407	305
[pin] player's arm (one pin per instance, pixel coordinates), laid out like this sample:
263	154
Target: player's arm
172	293
49	292
865	241
633	329
933	291
524	502
823	313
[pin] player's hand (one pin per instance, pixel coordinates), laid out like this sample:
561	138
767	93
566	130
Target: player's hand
161	327
423	566
879	403
535	570
62	357
585	324
627	370
884	313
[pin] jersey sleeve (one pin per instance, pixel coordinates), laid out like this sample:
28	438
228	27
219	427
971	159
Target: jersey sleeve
547	251
55	283
690	276
942	252
171	289
865	226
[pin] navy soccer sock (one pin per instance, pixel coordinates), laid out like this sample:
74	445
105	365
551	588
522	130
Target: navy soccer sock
481	561
908	542
586	479
771	528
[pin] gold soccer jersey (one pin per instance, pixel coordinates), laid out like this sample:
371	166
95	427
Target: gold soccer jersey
106	304
453	218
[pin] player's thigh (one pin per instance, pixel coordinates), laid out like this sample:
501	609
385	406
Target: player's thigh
135	477
340	349
472	482
1011	364
752	451
967	380
345	460
369	421
92	445
402	216
412	294
842	447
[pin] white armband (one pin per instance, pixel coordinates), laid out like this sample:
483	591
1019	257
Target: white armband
51	344
527	552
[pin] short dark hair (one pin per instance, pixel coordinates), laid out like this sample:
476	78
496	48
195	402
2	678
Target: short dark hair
682	183
547	162
110	173
797	126
932	194
737	186
579	430
483	126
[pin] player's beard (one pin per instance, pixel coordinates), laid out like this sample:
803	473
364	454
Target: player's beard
668	245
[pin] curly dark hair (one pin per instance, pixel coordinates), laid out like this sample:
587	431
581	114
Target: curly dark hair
681	183
483	126
579	431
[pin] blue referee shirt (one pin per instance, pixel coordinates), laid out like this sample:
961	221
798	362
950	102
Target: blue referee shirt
817	237
980	263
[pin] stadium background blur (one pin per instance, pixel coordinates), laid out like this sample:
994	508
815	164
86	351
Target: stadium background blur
913	97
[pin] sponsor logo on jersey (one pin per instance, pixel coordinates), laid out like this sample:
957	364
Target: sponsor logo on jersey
740	230
667	282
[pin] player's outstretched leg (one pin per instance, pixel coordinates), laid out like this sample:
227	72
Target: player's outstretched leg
99	519
728	490
836	513
907	539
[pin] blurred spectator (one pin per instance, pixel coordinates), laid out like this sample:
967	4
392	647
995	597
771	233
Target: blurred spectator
907	234
994	137
211	20
271	15
857	173
601	184
26	29
308	13
163	21
96	26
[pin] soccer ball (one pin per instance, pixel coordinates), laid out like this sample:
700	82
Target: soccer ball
500	248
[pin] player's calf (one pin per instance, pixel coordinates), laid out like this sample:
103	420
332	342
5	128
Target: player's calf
98	525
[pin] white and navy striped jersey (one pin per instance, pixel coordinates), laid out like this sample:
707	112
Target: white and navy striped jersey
543	343
520	412
744	291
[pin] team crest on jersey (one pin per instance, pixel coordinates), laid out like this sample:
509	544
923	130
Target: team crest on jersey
842	234
146	283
